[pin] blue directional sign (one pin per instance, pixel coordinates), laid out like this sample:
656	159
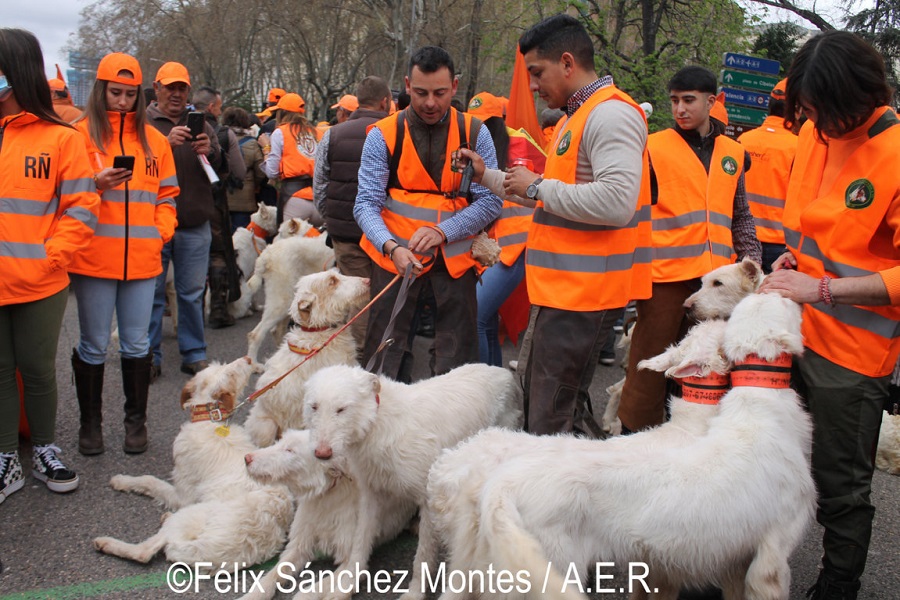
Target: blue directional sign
746	98
751	63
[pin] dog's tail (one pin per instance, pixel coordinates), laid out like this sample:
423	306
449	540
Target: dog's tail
513	549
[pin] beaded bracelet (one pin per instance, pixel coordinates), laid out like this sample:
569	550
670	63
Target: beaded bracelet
825	290
391	253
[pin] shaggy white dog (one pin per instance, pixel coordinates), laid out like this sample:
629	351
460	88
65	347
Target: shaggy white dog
726	508
278	269
222	515
323	302
887	457
327	501
390	433
249	243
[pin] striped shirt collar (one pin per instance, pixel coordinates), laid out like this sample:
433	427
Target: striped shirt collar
580	97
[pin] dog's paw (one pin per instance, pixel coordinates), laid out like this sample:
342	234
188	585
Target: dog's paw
101	543
121	483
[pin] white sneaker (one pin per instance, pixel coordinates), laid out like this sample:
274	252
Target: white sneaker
11	476
48	468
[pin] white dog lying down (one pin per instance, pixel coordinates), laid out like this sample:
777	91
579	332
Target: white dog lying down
327	502
278	269
222	514
390	433
323	302
727	508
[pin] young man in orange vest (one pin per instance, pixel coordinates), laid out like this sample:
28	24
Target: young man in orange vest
772	149
411	213
700	221
588	248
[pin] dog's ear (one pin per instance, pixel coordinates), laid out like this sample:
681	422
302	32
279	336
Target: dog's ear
753	272
685	370
304	308
293	227
226	399
187	392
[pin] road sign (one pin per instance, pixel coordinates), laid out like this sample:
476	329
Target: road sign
761	83
746	98
739	114
733	130
751	63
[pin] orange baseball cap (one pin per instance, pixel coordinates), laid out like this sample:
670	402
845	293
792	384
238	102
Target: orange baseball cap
718	110
56	85
292	103
779	92
485	105
113	64
275	95
172	72
348	102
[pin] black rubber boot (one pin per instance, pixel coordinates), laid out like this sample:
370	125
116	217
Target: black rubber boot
218	299
136	381
89	390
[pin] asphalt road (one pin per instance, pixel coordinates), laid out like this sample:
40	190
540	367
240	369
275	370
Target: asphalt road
45	538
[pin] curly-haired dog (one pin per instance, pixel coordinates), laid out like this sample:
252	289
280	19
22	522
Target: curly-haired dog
323	302
327	504
222	514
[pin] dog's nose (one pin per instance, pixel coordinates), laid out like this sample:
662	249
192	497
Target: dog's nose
248	458
323	452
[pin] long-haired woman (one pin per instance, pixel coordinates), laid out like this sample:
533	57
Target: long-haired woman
47	215
117	271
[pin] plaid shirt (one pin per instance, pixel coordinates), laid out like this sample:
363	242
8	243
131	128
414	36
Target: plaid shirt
580	97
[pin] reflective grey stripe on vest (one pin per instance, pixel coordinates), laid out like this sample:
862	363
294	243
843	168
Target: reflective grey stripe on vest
515	211
691	251
140	196
456	248
416	213
169	181
861	319
811	249
542	217
21	250
513	238
161	201
766	200
768	224
79	213
581	263
75	186
791	237
135	231
28	208
691	218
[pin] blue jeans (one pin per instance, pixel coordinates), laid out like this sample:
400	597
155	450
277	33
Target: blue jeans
189	252
133	303
497	283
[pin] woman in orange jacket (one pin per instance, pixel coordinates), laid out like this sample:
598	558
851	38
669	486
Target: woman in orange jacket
47	215
841	226
117	272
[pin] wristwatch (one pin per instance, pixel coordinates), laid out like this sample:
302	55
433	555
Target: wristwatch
531	190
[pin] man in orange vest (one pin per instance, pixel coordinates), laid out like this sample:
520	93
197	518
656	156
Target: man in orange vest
412	212
772	149
588	247
62	100
700	221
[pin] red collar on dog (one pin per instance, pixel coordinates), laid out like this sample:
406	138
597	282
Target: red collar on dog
705	390
377	400
257	230
315	329
211	411
756	372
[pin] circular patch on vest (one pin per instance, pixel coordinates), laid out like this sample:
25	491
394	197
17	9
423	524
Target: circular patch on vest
475	102
564	143
859	194
729	165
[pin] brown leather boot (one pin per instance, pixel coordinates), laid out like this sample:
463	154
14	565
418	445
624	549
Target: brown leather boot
89	390
136	381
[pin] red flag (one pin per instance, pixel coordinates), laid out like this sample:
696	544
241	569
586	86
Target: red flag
59	74
521	112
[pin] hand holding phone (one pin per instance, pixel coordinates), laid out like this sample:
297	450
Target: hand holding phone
195	120
123	162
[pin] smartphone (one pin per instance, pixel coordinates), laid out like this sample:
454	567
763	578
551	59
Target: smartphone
123	162
195	120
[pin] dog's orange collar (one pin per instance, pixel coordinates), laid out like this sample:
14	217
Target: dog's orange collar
705	390
211	411
257	231
753	371
298	350
312	233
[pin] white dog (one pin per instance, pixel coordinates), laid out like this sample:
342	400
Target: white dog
222	514
323	302
327	504
249	243
390	433
724	508
887	457
278	269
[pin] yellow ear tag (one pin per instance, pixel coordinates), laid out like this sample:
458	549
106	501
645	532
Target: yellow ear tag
223	430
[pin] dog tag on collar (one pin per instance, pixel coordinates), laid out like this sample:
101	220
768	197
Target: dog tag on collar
223	431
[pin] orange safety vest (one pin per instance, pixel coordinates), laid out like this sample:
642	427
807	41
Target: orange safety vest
583	267
772	149
843	233
298	158
692	216
136	218
49	207
405	211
